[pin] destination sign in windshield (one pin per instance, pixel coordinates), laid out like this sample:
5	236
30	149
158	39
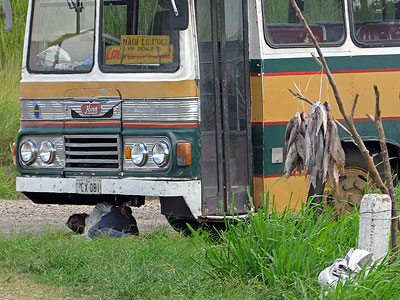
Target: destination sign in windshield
145	45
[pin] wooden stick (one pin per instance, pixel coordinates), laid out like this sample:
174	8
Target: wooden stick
372	118
354	134
297	95
344	128
317	60
354	107
388	171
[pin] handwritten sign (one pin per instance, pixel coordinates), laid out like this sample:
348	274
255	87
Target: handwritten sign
145	45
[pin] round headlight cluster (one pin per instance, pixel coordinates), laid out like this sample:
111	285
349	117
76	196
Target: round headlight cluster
160	153
28	151
47	152
139	154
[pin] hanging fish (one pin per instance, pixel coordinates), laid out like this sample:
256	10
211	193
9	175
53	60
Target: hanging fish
313	145
292	161
291	130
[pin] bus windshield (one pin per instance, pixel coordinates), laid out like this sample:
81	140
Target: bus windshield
62	36
136	36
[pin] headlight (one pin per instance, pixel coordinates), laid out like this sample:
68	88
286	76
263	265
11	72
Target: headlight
160	153
28	151
47	152
139	154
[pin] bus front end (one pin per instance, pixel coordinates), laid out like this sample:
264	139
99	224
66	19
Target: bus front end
109	104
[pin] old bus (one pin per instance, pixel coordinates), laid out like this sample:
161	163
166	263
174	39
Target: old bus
187	100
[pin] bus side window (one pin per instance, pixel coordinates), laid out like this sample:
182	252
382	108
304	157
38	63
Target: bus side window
283	29
376	22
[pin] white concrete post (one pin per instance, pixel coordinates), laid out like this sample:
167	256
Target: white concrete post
375	220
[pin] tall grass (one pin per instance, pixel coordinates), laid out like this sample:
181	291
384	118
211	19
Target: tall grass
267	256
11	45
287	251
153	266
375	10
314	11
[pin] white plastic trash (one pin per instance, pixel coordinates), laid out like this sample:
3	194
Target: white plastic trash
342	269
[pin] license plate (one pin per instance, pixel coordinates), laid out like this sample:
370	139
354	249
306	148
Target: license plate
88	186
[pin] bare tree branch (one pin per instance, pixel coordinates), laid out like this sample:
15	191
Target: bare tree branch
297	95
356	137
388	171
317	60
372	118
344	128
354	107
349	121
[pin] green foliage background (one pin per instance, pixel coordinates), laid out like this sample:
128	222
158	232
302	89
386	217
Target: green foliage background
11	45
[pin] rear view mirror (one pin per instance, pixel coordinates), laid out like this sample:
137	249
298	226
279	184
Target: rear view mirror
179	14
7	14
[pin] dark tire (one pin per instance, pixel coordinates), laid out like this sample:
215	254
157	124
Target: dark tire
181	225
352	185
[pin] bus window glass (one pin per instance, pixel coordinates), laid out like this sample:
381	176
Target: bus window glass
62	35
283	28
376	22
137	37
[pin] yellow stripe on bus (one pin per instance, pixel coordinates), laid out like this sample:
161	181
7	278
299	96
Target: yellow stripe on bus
281	106
161	89
285	194
256	99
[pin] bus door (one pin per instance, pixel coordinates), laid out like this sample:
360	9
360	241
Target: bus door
224	100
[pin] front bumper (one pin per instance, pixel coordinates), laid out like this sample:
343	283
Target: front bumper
190	190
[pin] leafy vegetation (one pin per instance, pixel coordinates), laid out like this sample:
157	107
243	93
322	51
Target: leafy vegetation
11	45
365	10
154	266
267	256
287	251
314	11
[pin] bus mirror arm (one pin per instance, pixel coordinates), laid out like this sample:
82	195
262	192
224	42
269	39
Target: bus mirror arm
176	12
7	14
179	14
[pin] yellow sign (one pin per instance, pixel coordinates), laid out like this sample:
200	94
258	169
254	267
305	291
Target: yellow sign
145	45
113	57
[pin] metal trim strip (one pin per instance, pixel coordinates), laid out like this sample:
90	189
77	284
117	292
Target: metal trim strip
161	110
179	110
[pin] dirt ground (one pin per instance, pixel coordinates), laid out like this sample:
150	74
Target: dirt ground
19	216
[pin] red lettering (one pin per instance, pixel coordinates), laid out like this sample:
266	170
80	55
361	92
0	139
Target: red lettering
108	54
115	54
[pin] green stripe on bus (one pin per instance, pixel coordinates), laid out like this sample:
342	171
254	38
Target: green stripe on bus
336	64
273	137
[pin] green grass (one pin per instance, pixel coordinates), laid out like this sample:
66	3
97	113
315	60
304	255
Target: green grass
267	256
11	45
153	266
8	174
287	252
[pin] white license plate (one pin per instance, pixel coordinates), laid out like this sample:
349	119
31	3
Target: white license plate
88	186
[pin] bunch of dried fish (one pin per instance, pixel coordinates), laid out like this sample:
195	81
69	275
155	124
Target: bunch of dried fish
295	144
313	145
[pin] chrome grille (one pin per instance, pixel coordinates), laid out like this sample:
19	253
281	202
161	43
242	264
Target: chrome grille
92	152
